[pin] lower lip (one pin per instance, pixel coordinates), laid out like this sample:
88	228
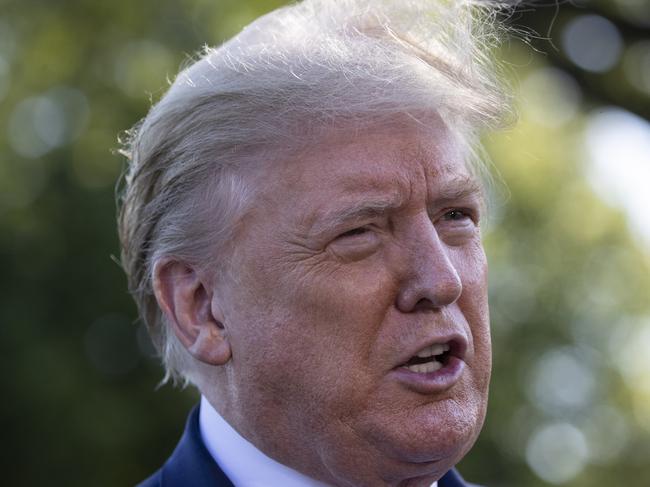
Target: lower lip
431	382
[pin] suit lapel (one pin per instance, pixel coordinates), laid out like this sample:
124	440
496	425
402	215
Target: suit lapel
453	479
191	462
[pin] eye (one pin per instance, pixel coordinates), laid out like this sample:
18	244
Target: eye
458	226
354	232
456	215
355	244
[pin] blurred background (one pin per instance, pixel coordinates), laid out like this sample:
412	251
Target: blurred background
569	244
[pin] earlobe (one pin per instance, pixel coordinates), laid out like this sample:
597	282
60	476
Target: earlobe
211	346
187	304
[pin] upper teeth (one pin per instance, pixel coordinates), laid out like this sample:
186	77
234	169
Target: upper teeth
436	349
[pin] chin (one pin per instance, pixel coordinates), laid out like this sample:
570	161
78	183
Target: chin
446	430
407	446
435	435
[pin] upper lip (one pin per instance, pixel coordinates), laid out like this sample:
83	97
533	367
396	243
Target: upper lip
457	346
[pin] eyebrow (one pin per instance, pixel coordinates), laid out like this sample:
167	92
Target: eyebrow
457	189
364	210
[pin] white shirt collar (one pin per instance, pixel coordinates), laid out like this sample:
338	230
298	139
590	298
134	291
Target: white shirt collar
243	463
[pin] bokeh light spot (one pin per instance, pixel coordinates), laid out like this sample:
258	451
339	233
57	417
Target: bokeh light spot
551	97
592	42
618	147
74	106
561	381
22	134
41	123
49	122
557	452
634	337
607	434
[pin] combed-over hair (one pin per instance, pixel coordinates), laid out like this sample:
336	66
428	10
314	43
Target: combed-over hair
289	78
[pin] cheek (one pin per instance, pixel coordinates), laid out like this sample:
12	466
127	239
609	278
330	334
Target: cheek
344	305
473	302
335	317
323	318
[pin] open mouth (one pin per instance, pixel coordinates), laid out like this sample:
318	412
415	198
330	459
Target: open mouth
431	358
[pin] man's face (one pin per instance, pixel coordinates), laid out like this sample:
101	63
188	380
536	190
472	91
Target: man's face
358	256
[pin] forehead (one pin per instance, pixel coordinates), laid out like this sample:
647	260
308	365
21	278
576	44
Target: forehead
399	162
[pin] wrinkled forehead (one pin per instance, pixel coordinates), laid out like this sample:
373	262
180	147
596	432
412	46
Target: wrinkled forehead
402	143
400	157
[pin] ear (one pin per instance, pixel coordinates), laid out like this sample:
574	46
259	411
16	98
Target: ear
187	303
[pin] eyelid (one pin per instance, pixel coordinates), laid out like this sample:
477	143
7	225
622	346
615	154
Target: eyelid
359	227
472	214
355	246
353	232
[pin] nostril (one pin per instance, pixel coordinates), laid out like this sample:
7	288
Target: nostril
423	305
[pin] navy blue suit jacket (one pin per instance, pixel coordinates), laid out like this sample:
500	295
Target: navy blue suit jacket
191	465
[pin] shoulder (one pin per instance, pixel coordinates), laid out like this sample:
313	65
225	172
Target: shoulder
454	479
190	463
154	481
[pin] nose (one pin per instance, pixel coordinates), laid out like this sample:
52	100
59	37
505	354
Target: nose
429	278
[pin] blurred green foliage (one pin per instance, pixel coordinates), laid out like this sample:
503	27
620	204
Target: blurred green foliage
570	277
